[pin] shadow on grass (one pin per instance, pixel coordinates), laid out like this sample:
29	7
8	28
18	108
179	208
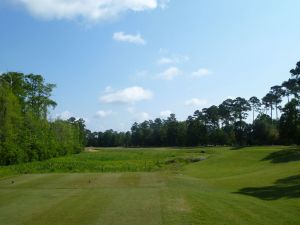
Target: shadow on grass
283	188
237	148
282	156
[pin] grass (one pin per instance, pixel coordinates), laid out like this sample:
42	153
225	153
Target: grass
109	160
257	185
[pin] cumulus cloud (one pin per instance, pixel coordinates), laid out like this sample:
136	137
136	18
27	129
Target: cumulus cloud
170	73
137	115
163	3
131	110
165	113
201	73
196	102
108	89
173	60
165	60
102	113
134	39
140	117
91	10
127	95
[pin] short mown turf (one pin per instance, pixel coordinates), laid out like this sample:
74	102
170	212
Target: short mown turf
170	186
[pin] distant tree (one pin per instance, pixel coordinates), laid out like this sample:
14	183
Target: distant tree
182	133
241	131
172	130
79	126
135	134
296	72
127	141
226	112
294	83
156	127
255	105
264	131
218	125
268	102
277	92
195	130
211	116
290	123
288	88
145	132
240	107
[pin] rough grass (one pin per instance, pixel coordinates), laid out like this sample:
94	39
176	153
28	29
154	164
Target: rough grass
231	187
110	160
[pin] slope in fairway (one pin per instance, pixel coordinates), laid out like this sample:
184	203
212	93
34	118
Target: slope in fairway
247	186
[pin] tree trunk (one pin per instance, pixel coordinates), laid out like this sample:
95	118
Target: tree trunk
272	112
276	112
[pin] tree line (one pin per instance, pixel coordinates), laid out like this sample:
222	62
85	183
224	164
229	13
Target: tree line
25	132
272	122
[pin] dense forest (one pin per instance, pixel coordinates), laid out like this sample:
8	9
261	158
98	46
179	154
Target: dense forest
275	119
26	134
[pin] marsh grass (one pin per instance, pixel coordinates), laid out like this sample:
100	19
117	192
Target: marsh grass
111	160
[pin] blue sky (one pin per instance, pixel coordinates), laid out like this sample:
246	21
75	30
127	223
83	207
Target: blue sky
116	62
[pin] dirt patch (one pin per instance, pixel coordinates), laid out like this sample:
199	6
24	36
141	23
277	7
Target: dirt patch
90	150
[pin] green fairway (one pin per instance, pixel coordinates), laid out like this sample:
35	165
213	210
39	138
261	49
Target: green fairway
205	186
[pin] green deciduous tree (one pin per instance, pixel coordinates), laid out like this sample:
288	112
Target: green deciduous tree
25	132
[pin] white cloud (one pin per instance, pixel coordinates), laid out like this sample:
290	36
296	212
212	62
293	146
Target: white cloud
102	113
108	89
127	95
170	73
134	39
138	116
163	3
196	102
67	115
141	117
201	73
230	97
90	10
173	60
165	113
164	60
130	110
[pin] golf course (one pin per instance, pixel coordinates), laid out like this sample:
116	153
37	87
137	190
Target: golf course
149	112
153	186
